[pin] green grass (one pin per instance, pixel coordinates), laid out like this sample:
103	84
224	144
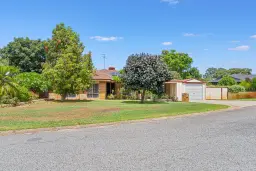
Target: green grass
56	114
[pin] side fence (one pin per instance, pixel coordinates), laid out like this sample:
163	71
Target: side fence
216	93
242	95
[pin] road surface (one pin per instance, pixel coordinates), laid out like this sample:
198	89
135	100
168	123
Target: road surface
217	141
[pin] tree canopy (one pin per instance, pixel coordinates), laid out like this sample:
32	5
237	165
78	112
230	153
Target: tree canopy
227	81
179	62
66	68
26	54
145	72
193	73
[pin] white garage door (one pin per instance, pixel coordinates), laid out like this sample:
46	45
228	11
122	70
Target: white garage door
195	91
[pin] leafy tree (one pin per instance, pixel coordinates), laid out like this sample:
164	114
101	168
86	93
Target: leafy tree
88	58
66	68
227	81
194	73
8	86
26	54
180	62
210	73
32	81
3	62
246	71
145	72
175	75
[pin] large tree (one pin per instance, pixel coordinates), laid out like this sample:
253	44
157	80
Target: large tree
145	72
66	68
194	73
179	62
246	71
24	53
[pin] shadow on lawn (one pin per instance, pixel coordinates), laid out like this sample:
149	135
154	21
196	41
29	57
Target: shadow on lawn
146	102
71	101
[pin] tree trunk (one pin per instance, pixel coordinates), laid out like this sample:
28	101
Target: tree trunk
143	96
63	97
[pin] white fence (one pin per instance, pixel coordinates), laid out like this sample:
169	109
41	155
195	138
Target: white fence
218	93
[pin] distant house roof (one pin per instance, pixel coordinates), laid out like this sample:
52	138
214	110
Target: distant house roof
237	77
106	74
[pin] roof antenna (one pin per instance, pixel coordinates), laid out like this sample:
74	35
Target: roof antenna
104	57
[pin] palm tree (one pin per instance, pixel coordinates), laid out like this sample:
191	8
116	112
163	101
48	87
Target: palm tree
7	85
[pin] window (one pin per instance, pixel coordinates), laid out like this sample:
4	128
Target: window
93	92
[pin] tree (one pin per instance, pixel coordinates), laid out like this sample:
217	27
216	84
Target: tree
246	84
194	73
227	81
66	68
246	71
210	73
175	75
32	81
26	54
8	86
88	58
145	72
180	62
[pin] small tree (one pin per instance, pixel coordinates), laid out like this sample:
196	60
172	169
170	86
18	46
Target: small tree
145	72
227	81
66	68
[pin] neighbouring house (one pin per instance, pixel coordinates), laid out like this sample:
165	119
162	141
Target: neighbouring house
195	88
238	77
103	86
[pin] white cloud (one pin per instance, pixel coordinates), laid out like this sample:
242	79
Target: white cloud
167	43
189	35
106	39
206	49
235	41
253	36
240	48
171	2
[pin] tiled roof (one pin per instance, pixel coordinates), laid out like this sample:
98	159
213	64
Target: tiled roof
104	74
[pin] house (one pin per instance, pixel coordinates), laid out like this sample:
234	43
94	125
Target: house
103	86
238	77
195	88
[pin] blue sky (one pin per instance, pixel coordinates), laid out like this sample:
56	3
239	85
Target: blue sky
215	33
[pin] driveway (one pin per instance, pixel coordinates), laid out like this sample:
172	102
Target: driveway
234	103
217	141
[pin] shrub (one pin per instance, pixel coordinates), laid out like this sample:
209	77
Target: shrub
111	97
236	89
246	84
254	83
24	95
227	81
9	100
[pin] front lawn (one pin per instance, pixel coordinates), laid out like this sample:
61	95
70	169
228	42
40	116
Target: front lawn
56	114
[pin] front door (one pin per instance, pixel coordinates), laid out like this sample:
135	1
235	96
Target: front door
110	88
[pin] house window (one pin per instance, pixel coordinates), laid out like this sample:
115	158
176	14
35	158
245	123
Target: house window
93	92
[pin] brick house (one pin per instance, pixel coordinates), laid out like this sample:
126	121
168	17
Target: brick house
103	86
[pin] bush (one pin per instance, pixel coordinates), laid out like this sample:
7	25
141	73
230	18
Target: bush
227	81
111	97
24	95
254	84
9	100
236	89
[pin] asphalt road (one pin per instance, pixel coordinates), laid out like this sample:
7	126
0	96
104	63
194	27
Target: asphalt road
218	141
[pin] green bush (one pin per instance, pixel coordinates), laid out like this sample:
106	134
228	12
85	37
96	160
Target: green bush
236	89
24	95
254	84
111	97
227	81
9	100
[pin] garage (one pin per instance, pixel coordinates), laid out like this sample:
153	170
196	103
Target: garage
195	91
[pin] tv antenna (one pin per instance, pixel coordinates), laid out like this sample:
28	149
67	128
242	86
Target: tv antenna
104	58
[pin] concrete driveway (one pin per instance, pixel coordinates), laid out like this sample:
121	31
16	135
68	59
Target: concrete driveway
233	103
216	141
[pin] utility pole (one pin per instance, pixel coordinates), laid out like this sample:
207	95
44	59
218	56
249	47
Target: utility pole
104	58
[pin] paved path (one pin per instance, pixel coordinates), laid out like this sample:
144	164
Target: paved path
218	141
234	103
